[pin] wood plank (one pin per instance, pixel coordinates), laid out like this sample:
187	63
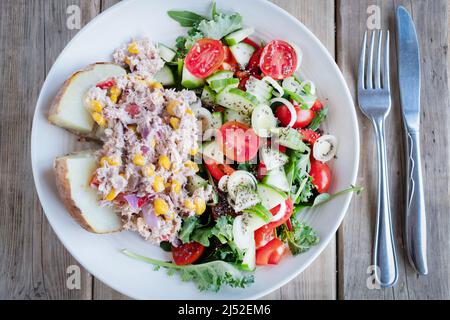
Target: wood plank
356	234
319	280
55	258
33	261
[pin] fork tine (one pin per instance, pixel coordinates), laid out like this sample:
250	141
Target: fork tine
362	64
378	61
387	72
369	74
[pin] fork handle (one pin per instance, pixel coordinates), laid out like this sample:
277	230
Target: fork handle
415	215
385	259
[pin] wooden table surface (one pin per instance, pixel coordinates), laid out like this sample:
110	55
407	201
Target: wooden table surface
33	262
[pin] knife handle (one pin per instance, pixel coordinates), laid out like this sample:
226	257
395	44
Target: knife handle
415	217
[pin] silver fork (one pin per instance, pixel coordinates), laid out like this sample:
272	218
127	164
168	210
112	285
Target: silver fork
374	96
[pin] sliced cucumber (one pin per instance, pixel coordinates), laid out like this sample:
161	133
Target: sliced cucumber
243	228
238	36
205	116
217	120
270	196
190	81
239	116
260	211
165	76
212	150
242	52
277	178
249	260
289	138
166	53
220	75
219	85
238	180
273	158
245	198
196	182
208	96
237	99
260	89
263	120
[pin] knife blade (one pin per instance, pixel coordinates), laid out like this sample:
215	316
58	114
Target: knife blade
408	52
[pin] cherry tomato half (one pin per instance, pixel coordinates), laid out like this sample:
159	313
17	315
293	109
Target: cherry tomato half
253	64
304	117
278	60
271	253
218	170
309	136
205	57
321	175
286	217
106	84
187	253
239	142
263	236
317	106
262	170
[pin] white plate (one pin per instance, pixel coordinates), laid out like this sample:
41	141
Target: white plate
137	18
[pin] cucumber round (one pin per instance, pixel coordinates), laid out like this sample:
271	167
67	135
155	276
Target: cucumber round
263	120
217	120
165	76
270	196
273	158
245	198
166	53
190	81
260	211
260	89
238	36
237	99
220	75
243	228
277	178
208	96
289	138
219	85
239	116
213	151
242	52
249	260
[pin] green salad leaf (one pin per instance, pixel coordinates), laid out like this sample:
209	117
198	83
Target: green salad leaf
301	238
222	230
221	25
186	19
187	228
318	119
208	276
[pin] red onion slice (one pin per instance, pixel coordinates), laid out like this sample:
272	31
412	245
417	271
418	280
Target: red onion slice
291	108
150	218
132	200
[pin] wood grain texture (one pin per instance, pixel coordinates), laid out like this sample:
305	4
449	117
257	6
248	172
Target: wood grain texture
356	234
33	261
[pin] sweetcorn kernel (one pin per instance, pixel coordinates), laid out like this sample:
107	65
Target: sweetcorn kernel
111	195
174	122
188	204
171	107
148	170
193	152
176	186
139	160
161	207
164	162
99	119
200	206
192	165
114	94
158	184
96	106
109	160
156	85
189	111
133	48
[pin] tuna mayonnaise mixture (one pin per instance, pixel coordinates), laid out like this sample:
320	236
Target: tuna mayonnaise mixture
150	139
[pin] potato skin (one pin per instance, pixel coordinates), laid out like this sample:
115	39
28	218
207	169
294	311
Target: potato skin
64	189
55	105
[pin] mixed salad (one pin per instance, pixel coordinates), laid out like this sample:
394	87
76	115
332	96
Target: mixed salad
263	157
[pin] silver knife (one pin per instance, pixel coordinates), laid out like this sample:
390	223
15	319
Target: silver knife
409	80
